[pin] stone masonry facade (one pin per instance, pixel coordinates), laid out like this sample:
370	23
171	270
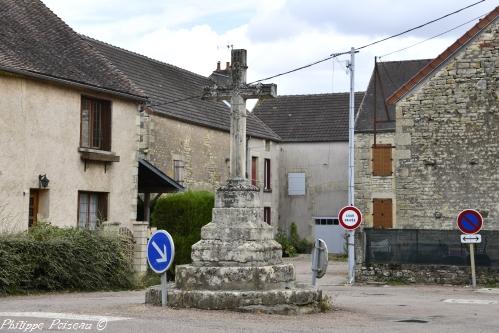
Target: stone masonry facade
204	151
447	138
367	186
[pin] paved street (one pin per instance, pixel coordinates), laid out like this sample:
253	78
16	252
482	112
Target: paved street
356	309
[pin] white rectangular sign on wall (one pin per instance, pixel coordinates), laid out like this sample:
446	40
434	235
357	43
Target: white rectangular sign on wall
296	183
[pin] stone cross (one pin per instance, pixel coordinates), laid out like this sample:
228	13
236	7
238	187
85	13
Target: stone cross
237	91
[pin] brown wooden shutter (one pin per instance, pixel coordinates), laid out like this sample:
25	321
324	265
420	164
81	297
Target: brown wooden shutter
382	160
382	213
102	206
106	126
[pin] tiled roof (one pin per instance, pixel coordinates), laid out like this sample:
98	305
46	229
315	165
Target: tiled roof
391	75
35	42
164	83
430	67
308	118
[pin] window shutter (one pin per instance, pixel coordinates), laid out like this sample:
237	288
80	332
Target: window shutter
106	126
102	206
382	160
382	213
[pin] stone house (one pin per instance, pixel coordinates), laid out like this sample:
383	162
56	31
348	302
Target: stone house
447	134
68	125
187	138
375	143
313	161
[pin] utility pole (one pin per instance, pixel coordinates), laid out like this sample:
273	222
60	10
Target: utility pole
351	166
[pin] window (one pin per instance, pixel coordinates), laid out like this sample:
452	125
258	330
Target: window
382	160
92	209
178	171
266	176
382	213
296	183
254	170
326	221
95	124
267	145
267	215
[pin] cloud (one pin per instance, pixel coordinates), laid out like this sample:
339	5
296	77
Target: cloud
279	35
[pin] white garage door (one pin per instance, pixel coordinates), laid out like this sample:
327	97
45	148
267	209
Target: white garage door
330	230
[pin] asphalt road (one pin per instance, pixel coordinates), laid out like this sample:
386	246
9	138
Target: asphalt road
356	309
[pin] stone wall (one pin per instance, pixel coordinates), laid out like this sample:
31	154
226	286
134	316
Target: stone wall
430	274
205	151
367	186
447	132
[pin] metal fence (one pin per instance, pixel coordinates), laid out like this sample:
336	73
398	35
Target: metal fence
429	247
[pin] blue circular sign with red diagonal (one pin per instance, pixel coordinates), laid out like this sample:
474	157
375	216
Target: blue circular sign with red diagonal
469	221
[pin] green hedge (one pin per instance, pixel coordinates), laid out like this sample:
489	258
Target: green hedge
182	215
48	258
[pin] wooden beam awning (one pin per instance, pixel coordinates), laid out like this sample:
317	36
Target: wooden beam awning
153	180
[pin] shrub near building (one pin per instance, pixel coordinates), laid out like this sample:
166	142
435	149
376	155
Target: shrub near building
183	215
47	258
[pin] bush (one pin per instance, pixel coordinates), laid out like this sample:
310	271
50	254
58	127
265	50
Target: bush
47	258
293	244
182	215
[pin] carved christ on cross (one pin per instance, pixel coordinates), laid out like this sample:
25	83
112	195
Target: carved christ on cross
237	93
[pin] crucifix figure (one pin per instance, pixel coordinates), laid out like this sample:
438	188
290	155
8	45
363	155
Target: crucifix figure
237	92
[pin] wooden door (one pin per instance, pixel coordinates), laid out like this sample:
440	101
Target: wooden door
33	207
382	214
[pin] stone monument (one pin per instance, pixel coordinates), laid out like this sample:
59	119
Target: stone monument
237	265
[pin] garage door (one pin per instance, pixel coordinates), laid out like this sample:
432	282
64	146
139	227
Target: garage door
329	229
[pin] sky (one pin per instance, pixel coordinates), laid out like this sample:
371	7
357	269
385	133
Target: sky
279	35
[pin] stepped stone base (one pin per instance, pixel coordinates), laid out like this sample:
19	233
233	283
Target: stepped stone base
188	277
237	265
279	301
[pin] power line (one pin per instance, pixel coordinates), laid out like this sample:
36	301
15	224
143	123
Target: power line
302	67
440	34
419	26
334	55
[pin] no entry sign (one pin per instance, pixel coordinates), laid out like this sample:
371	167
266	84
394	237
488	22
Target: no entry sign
469	221
350	217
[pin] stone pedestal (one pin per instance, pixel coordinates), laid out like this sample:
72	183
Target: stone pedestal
237	265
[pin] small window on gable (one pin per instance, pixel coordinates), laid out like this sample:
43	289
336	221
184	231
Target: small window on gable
95	125
267	180
178	171
382	160
254	170
267	215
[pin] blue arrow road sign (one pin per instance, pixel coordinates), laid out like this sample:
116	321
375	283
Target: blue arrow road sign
160	251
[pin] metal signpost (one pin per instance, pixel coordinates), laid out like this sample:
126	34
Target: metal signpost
350	218
160	254
470	221
320	257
